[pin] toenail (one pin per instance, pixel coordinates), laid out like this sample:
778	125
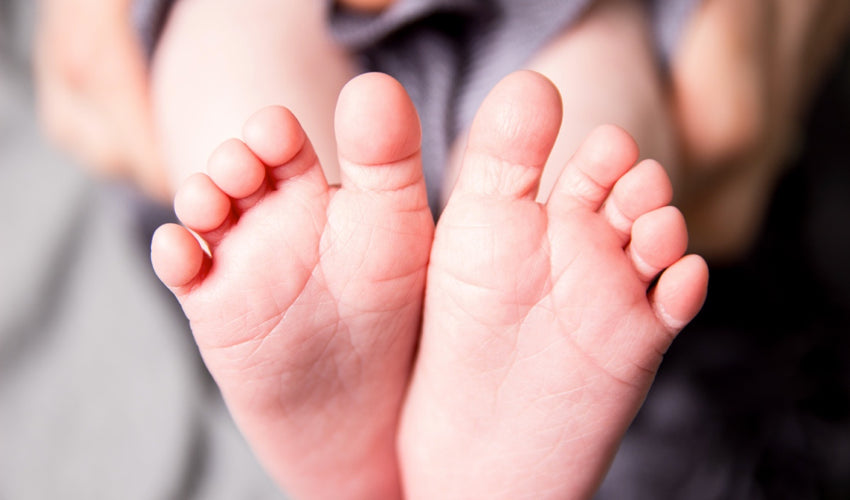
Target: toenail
672	323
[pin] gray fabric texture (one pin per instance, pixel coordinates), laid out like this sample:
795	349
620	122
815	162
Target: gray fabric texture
448	54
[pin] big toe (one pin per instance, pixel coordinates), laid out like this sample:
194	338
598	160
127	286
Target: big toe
511	137
378	135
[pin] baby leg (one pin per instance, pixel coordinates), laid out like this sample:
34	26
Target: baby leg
220	61
606	71
743	76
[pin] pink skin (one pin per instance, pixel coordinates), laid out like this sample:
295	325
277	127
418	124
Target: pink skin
542	327
308	308
543	324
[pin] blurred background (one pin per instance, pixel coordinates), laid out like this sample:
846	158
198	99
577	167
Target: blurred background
102	394
753	398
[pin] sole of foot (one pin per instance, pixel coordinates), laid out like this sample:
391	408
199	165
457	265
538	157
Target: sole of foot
544	324
305	299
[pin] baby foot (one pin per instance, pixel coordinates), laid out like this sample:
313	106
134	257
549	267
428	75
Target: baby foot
544	324
307	309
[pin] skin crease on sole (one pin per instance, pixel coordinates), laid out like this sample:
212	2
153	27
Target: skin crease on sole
556	311
308	307
543	323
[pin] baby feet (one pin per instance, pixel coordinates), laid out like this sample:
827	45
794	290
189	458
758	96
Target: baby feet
544	324
307	308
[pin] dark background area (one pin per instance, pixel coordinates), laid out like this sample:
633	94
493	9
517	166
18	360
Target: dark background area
753	398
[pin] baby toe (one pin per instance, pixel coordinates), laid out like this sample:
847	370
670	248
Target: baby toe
176	256
511	138
378	136
680	292
602	159
277	139
235	169
642	189
659	238
200	204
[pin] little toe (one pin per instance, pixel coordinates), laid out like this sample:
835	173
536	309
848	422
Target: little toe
276	138
680	292
203	207
176	256
378	136
236	170
601	160
659	238
640	190
511	137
